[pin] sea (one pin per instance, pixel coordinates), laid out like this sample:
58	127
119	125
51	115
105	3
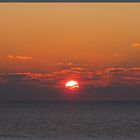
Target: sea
70	119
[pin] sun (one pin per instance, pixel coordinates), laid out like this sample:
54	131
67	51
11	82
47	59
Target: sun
72	85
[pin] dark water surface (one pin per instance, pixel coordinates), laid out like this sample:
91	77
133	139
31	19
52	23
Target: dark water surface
72	119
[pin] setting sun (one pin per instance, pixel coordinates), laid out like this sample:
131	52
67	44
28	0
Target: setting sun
73	85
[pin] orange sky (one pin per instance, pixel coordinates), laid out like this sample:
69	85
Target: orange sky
40	36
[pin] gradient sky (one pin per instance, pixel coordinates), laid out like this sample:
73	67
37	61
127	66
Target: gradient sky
42	45
98	34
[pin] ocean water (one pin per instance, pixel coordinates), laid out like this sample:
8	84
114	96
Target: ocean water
70	119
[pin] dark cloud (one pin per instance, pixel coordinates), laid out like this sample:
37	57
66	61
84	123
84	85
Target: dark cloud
108	84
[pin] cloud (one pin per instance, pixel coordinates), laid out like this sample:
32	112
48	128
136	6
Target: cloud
117	54
118	77
65	63
108	84
78	69
107	77
110	77
136	45
69	66
18	57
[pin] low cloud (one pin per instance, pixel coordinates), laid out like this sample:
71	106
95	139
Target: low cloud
117	54
65	63
107	84
100	78
78	69
136	45
69	66
18	57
